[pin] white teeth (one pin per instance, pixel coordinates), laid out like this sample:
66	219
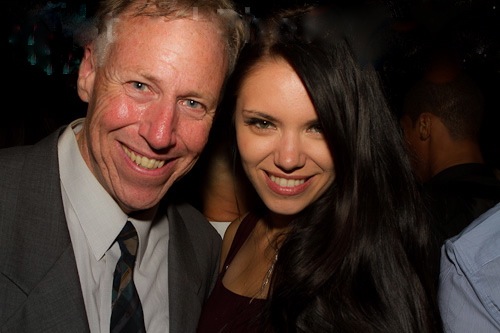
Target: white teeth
143	161
286	182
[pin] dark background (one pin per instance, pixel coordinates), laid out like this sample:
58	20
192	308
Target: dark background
41	56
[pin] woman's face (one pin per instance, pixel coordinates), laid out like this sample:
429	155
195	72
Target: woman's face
281	144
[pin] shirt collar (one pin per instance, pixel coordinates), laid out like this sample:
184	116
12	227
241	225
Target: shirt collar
98	214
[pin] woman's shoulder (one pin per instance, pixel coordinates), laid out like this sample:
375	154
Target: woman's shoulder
229	237
233	227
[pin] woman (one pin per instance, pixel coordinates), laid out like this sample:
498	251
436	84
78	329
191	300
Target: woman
339	243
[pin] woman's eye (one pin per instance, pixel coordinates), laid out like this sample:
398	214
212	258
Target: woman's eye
316	128
263	124
259	123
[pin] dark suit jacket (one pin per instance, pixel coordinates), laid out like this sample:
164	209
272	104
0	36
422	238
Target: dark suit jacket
39	285
458	195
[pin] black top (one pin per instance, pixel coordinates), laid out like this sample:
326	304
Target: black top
226	311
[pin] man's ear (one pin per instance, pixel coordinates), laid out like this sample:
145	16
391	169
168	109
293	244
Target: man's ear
86	74
424	123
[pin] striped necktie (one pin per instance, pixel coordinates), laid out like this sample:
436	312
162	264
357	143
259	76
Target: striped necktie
127	315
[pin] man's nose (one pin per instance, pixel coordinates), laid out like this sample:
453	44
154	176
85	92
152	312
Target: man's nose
159	124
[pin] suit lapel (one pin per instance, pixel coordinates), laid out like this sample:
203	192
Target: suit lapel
184	278
42	264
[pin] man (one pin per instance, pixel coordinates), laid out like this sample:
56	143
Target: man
152	78
469	283
441	121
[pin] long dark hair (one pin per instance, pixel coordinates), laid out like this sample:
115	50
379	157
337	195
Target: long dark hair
357	259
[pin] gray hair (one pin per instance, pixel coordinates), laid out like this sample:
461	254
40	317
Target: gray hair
221	12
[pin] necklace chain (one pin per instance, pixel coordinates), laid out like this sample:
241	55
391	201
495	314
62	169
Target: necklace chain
269	272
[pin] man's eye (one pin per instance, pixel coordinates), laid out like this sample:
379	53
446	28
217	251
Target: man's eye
139	85
192	104
193	108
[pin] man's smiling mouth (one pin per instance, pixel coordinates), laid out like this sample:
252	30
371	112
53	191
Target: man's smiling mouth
143	161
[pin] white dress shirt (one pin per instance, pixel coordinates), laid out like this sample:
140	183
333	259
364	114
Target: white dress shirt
94	221
221	227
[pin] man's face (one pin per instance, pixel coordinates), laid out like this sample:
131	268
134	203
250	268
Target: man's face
151	105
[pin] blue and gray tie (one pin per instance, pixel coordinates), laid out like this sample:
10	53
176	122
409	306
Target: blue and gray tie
127	315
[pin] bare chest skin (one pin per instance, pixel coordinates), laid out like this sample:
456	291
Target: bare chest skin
250	271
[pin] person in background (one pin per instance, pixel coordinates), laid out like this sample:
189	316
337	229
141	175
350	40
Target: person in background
441	120
339	241
74	205
469	298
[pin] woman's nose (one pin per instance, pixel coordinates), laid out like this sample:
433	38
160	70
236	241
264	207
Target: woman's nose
289	154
